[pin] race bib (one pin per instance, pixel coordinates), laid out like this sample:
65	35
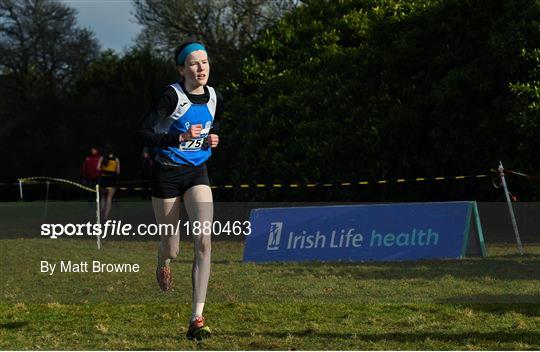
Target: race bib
194	144
198	143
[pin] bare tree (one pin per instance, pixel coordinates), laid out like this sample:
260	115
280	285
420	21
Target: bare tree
227	27
40	43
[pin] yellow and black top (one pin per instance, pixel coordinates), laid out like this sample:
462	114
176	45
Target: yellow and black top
109	166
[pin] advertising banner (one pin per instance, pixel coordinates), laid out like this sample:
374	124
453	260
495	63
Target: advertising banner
380	232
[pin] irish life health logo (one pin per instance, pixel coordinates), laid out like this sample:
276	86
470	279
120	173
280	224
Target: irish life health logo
350	237
274	236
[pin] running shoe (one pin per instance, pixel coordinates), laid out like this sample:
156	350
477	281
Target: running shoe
197	330
164	277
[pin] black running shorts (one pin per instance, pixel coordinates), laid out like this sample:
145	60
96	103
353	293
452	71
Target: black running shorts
108	180
172	181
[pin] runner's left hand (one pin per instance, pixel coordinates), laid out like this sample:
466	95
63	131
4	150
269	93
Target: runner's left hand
213	140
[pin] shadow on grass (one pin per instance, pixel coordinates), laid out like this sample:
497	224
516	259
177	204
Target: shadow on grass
487	298
527	309
13	325
525	255
413	337
496	268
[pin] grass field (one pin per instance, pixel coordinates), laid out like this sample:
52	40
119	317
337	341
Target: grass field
477	303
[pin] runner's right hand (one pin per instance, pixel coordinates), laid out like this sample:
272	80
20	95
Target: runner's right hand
193	133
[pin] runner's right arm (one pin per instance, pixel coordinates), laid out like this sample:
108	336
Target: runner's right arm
164	107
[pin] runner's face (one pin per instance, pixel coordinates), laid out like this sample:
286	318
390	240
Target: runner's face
196	69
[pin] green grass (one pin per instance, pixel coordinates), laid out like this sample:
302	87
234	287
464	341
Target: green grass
478	303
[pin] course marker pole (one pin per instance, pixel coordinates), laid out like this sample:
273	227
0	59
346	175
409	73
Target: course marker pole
510	208
20	190
98	216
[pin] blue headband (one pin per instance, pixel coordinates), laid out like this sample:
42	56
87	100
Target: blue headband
188	50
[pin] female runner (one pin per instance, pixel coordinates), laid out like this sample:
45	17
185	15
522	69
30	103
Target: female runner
109	167
181	127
